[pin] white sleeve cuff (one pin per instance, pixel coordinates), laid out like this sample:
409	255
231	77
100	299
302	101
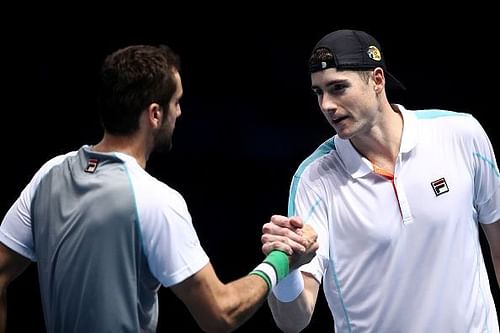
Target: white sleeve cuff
290	287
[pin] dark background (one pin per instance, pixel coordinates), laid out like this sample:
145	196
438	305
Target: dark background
248	114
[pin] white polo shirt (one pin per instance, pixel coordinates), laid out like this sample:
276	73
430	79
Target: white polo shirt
105	235
404	255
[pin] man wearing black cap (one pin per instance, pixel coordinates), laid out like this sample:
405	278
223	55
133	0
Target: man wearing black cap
396	197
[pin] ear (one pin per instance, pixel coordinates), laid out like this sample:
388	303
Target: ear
154	115
378	79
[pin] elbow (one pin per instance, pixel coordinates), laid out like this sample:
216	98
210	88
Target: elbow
290	320
219	324
3	287
291	317
293	327
221	318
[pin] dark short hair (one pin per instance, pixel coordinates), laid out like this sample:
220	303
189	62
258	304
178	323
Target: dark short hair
131	79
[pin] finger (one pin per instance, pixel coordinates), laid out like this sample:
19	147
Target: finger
273	229
282	221
297	247
296	222
273	239
283	229
268	247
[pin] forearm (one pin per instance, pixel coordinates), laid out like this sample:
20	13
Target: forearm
292	302
292	316
220	307
11	265
3	310
496	266
239	300
492	233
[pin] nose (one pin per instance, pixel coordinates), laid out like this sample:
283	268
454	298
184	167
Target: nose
327	103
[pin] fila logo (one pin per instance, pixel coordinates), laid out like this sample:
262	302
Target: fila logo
439	186
91	165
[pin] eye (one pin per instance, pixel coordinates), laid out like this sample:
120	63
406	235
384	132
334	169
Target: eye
337	89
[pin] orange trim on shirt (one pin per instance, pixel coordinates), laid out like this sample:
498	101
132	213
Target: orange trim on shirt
382	172
389	176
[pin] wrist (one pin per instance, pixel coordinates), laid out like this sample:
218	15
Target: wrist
273	269
290	287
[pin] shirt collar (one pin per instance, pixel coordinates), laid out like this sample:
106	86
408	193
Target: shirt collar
410	137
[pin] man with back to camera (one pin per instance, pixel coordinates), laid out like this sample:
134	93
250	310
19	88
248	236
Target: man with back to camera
106	234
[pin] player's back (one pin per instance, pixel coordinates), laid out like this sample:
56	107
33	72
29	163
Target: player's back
87	245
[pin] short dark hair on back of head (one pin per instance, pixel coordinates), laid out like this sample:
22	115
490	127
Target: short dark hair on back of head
131	79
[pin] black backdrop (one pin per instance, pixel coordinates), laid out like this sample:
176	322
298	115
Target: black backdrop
248	119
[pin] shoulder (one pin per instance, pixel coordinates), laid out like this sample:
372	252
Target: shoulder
153	194
438	116
56	160
316	158
314	165
50	164
459	124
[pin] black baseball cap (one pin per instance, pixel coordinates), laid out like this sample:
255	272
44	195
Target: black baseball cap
353	50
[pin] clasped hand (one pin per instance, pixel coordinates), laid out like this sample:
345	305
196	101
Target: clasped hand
292	236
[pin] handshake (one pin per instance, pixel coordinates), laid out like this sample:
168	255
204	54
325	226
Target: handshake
290	235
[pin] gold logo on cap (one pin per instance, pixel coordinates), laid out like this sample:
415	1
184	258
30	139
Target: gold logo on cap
374	53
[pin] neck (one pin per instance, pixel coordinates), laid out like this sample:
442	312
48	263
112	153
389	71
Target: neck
131	145
382	144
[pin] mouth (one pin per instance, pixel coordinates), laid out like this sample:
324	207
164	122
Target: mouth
338	120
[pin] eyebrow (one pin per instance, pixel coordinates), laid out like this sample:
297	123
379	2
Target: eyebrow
330	83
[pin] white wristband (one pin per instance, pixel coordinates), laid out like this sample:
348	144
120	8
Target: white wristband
290	287
270	272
